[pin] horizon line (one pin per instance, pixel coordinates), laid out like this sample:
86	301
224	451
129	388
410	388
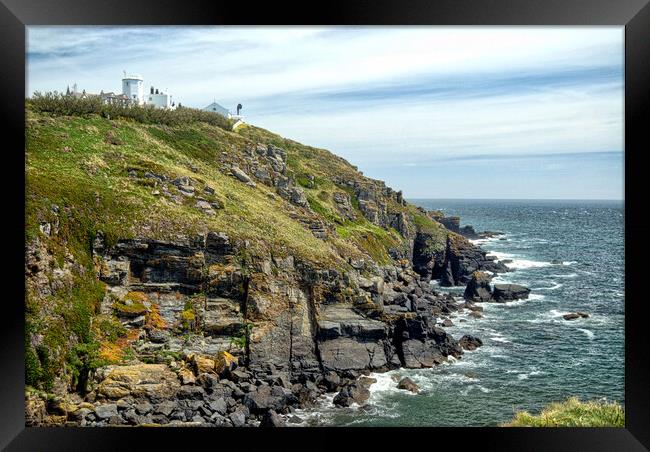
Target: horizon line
514	199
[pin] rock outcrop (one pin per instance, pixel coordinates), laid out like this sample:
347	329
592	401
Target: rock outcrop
455	263
509	292
575	315
478	288
469	342
408	385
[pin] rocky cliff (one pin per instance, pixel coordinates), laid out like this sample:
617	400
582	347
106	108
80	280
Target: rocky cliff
192	274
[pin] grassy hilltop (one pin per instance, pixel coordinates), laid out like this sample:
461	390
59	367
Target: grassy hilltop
573	413
88	170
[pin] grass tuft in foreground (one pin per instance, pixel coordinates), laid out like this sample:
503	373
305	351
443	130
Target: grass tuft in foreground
573	413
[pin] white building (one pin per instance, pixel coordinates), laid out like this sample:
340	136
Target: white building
216	108
159	99
132	94
133	88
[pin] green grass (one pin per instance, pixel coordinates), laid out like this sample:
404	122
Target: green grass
573	413
371	238
85	173
90	184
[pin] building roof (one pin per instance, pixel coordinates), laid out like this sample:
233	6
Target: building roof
132	77
217	108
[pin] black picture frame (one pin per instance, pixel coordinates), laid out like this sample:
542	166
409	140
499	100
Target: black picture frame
634	15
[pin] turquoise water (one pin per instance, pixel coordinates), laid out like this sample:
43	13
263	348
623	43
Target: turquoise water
531	355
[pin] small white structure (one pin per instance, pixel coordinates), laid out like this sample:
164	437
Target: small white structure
159	99
216	108
133	88
114	98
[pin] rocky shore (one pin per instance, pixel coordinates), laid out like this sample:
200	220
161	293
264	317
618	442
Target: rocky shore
316	331
260	279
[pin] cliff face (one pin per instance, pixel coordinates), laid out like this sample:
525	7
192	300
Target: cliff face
151	245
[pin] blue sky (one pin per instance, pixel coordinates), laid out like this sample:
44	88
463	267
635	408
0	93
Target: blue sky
439	112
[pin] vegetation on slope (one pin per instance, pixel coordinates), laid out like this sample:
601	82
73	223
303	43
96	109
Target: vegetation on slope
86	172
573	413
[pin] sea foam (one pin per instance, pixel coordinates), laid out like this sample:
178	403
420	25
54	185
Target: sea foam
517	262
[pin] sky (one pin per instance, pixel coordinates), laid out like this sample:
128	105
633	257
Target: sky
438	112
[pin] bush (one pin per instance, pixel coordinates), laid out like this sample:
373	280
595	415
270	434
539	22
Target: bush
82	360
573	413
244	335
63	105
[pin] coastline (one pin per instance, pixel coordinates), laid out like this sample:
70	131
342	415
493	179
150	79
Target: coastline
139	316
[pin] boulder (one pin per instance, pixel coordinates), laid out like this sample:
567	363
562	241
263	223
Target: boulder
478	288
194	393
239	174
354	393
219	406
202	364
187	376
331	381
138	380
509	292
106	411
272	419
224	363
469	342
421	354
266	398
409	385
238	419
571	316
143	407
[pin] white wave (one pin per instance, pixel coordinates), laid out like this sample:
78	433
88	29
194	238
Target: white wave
554	316
500	339
522	264
517	263
553	287
500	279
526	375
487	239
533	240
570	275
387	383
470	388
501	255
555	313
513	303
590	334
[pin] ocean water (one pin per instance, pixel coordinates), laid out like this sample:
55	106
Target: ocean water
531	355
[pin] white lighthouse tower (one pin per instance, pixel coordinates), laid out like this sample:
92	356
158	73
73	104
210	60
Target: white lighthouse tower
133	88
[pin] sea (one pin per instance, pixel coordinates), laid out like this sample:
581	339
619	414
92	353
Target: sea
531	356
